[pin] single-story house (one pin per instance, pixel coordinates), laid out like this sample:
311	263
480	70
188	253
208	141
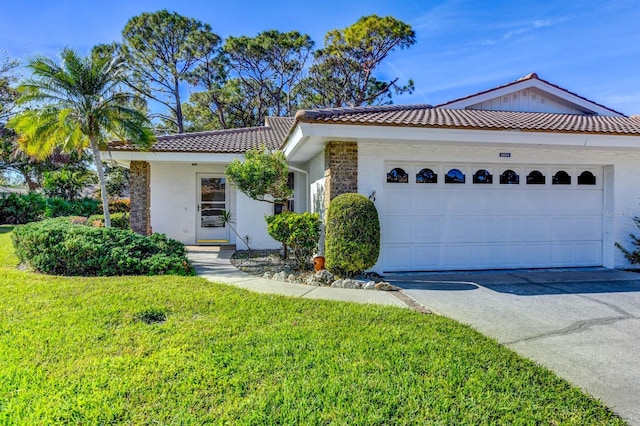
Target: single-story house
525	175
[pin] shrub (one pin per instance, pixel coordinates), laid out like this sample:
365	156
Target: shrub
24	208
352	235
66	183
118	220
300	231
632	256
57	207
117	205
56	246
18	209
86	207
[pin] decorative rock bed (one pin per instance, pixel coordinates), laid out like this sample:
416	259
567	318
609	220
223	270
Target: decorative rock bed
269	264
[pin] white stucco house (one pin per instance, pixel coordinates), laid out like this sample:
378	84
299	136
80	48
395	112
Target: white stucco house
524	175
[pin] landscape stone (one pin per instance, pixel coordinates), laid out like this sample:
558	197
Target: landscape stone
371	285
280	276
385	286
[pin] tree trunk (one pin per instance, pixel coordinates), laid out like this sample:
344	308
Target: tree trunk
103	182
179	117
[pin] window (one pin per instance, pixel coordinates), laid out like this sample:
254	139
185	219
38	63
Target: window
509	177
397	175
586	178
426	176
454	176
536	178
482	176
561	178
278	208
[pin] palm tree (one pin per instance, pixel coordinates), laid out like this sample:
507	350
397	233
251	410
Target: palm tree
78	104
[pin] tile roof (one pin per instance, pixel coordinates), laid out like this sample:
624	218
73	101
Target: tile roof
271	135
433	117
532	76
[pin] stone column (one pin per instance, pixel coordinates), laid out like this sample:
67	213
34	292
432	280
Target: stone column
340	169
139	185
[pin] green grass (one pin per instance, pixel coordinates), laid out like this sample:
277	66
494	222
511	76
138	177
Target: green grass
181	350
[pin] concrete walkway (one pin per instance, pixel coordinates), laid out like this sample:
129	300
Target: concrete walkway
214	264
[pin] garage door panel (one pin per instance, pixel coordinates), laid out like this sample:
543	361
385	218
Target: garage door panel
585	200
483	228
427	200
399	256
588	227
426	229
427	257
456	229
562	255
510	255
534	201
466	226
588	253
537	255
454	256
563	228
398	200
396	228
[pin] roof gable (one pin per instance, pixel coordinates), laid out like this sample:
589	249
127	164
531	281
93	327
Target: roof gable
531	94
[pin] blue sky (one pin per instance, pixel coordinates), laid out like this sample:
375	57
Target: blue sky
463	46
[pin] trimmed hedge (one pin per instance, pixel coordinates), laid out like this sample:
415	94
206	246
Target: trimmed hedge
58	247
352	235
300	231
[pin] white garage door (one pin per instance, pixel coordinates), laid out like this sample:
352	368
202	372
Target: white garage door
456	217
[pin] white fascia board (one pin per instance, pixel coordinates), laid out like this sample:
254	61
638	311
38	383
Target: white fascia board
171	157
318	135
293	142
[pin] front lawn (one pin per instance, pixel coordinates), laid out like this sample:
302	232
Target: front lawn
100	351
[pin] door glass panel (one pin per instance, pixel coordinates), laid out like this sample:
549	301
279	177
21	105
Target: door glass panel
212	202
213	189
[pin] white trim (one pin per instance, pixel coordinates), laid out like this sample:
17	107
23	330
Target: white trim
174	157
310	138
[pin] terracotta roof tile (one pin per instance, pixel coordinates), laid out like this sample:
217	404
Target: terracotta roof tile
220	141
427	116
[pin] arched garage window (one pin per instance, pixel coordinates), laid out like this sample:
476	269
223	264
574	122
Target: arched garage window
482	176
509	177
561	178
454	176
536	178
586	178
426	176
397	175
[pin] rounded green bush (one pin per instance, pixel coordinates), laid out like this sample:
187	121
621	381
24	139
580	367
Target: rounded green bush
59	247
352	235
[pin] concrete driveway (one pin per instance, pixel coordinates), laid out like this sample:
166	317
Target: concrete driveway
584	324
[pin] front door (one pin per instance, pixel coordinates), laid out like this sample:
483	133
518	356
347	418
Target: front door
212	202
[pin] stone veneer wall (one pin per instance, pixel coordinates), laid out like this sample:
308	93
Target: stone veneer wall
340	169
139	185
